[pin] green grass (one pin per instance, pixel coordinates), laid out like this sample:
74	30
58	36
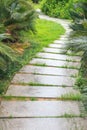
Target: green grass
71	96
47	32
34	84
22	98
39	64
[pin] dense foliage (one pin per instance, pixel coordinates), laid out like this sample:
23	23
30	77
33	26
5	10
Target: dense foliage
58	8
36	1
79	16
78	44
15	15
55	8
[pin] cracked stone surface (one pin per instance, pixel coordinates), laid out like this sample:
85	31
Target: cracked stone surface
55	63
58	56
41	91
48	70
38	109
44	123
43	79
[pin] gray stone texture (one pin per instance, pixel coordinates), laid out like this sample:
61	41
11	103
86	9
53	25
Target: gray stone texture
55	63
38	108
39	91
43	79
58	56
53	50
48	70
60	41
57	46
44	124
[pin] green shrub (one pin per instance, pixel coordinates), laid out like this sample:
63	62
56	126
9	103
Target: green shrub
58	8
78	44
36	1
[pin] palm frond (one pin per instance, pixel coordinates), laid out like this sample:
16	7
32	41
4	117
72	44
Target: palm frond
6	51
7	55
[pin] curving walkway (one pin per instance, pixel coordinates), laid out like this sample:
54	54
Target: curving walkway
44	97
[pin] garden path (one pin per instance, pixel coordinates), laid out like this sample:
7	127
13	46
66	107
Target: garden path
46	93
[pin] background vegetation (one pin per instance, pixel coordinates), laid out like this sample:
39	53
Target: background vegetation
58	8
78	44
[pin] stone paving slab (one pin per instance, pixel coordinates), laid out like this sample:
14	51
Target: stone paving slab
44	124
38	108
39	91
58	56
64	39
58	46
60	41
55	63
43	79
64	36
53	50
48	70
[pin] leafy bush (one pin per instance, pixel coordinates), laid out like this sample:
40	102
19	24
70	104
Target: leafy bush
58	8
79	16
78	43
36	1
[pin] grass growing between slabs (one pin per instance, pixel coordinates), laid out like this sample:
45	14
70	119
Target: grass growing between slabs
47	32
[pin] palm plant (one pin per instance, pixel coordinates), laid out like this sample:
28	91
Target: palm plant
16	15
7	56
78	38
79	16
78	42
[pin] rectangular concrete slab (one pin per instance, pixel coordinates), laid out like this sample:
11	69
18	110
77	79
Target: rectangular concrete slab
57	46
59	51
43	79
60	41
48	70
54	63
64	39
54	50
39	91
38	108
58	56
44	124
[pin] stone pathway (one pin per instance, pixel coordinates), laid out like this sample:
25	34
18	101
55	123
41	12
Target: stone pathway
43	92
